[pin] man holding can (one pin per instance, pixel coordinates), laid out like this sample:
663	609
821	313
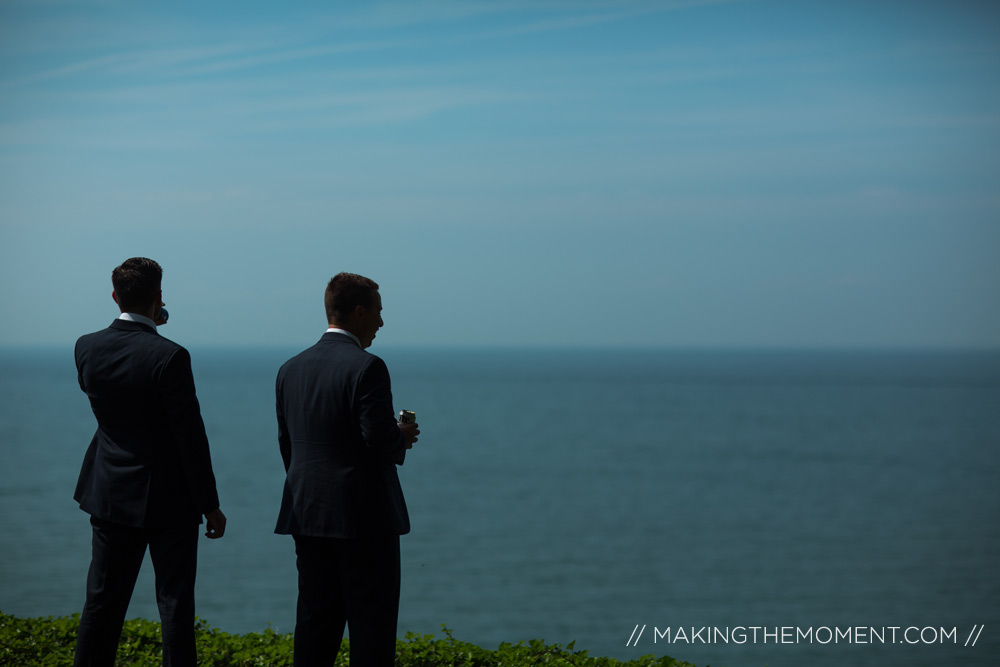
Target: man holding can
342	502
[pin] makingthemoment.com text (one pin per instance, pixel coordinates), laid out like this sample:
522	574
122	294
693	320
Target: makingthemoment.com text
795	635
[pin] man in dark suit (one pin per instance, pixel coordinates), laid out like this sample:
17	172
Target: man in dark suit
342	502
147	476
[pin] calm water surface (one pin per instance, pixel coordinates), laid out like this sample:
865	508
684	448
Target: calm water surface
573	495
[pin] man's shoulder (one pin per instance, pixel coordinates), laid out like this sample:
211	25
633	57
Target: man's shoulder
129	334
168	347
90	338
331	352
109	331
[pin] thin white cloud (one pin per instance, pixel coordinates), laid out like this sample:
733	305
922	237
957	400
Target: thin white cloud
67	70
287	42
258	60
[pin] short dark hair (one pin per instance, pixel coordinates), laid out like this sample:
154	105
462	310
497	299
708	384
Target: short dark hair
345	292
137	283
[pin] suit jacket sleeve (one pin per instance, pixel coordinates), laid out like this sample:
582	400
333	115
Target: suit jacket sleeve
378	424
188	429
284	441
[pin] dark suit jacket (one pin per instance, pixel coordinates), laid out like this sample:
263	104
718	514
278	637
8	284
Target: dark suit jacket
340	444
148	463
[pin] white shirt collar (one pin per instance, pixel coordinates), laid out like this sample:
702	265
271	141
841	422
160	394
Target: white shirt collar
346	333
141	319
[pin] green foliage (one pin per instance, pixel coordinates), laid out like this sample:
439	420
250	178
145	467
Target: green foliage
46	642
263	649
49	642
426	651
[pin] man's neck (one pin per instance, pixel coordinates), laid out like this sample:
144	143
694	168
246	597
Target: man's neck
138	317
341	330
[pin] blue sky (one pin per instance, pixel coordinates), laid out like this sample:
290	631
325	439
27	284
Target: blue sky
736	174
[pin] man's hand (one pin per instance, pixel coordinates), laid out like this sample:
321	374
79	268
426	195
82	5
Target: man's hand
215	523
410	433
160	315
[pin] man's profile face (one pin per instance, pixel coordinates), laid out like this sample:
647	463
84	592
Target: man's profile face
370	321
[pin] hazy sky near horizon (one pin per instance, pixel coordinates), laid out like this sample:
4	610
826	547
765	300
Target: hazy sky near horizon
700	173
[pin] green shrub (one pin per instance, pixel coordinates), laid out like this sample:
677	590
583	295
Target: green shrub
49	642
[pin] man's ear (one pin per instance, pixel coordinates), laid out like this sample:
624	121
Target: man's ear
114	295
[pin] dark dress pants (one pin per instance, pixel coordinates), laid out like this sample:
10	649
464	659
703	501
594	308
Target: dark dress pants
352	581
117	555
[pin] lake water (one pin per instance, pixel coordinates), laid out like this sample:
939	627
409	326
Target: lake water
583	494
